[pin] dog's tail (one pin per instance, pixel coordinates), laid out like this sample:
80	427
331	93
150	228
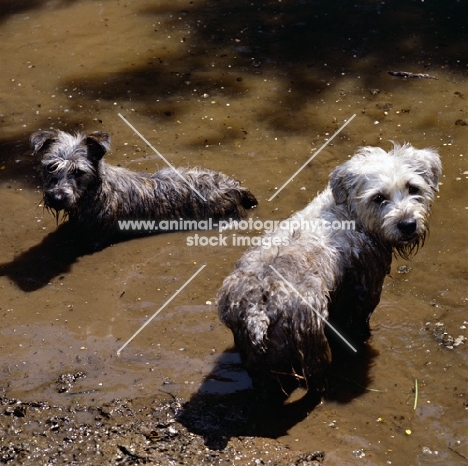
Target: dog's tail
248	200
257	323
242	309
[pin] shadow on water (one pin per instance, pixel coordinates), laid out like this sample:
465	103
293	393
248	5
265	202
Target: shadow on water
227	406
55	254
309	45
52	257
8	8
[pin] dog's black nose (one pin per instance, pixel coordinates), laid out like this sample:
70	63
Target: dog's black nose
407	227
54	200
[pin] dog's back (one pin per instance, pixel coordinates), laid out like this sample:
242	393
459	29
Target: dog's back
279	331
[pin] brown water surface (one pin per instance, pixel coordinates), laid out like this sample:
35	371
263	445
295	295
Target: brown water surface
251	89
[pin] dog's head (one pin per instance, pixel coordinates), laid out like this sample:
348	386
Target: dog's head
69	165
390	193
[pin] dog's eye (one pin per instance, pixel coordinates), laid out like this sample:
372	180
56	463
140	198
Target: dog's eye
379	199
52	168
77	172
413	190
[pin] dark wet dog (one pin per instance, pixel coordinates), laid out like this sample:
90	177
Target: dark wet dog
96	196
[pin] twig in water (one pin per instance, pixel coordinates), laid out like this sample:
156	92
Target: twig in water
415	393
407	74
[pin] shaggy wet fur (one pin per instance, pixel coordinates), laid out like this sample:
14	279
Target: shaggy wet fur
95	195
279	300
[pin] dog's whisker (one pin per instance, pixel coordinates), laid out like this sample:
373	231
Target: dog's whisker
293	373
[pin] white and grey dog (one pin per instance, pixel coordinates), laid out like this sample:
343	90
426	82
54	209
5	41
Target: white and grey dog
328	267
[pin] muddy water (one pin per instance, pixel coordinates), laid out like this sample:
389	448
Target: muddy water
253	90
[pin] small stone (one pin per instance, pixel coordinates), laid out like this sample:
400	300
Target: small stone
403	269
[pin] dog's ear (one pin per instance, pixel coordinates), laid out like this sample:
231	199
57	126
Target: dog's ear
340	183
426	162
98	144
432	167
41	140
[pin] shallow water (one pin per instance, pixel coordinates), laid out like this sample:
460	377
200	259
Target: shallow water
252	89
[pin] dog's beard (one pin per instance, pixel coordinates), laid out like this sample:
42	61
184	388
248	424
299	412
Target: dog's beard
60	215
408	249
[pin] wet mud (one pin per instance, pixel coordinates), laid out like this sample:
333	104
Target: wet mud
252	89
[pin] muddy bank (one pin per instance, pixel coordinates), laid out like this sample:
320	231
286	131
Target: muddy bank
144	431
